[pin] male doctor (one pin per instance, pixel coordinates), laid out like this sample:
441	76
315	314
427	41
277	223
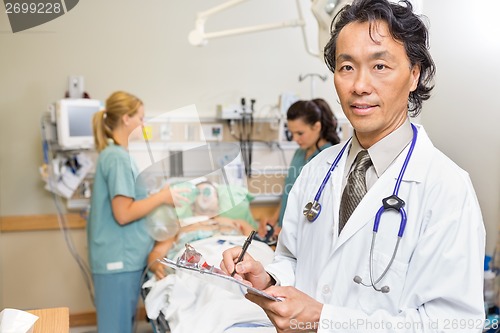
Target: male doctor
329	274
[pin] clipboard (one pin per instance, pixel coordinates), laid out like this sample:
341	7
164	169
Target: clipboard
214	277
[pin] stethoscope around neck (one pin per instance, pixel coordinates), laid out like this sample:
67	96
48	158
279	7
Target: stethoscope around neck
313	209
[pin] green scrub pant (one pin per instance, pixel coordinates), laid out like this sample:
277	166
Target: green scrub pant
116	297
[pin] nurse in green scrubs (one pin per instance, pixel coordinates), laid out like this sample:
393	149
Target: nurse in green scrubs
313	126
117	239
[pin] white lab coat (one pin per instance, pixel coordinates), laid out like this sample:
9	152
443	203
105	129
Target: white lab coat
436	280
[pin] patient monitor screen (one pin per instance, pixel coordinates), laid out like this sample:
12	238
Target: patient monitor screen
80	121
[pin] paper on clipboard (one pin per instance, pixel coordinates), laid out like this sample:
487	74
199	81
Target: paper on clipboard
222	280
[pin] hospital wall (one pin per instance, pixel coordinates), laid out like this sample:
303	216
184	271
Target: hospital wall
142	47
462	116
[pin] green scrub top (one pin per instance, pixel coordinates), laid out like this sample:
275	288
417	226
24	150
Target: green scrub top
115	248
296	165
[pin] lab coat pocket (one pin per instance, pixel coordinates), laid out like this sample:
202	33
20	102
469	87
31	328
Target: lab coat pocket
372	300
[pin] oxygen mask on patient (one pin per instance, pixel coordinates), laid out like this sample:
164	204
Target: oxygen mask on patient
206	202
163	222
204	205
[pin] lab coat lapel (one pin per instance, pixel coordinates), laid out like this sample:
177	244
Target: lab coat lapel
372	201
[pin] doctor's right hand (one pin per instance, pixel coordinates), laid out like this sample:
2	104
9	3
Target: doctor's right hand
248	269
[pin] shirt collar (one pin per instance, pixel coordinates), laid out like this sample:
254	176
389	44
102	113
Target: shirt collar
385	151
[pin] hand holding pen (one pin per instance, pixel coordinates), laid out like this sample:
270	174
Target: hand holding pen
244	250
248	268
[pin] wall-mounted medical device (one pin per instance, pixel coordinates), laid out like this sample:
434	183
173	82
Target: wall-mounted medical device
74	122
76	86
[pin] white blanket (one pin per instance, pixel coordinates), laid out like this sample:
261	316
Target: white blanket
190	304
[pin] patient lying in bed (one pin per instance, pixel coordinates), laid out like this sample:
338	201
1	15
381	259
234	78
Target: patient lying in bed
204	223
180	297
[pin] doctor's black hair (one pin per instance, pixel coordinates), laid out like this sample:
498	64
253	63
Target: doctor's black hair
313	111
404	26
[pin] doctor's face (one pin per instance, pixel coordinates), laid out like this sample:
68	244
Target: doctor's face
373	79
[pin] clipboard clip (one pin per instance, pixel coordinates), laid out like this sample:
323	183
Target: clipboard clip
194	260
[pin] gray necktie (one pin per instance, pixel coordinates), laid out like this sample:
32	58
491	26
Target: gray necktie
355	188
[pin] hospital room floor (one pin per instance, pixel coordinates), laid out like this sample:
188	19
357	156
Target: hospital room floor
142	327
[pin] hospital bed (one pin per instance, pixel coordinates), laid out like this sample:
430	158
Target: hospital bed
185	302
172	303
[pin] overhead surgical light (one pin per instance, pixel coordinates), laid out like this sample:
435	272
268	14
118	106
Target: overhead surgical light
330	6
323	10
198	37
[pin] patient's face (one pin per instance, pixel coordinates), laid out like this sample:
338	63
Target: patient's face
206	201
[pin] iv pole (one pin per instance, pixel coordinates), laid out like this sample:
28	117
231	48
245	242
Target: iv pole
312	76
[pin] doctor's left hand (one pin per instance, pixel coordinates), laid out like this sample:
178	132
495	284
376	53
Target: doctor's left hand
297	312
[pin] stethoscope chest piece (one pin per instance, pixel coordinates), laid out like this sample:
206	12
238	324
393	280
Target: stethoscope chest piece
311	210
